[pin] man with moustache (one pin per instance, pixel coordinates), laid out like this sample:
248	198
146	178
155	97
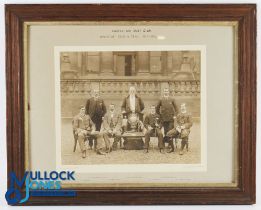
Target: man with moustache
111	127
167	109
83	127
96	109
152	123
182	127
132	104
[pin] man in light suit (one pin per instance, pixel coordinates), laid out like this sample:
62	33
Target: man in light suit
132	104
83	127
183	123
111	127
96	109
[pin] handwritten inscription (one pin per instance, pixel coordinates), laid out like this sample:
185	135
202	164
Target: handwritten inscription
144	33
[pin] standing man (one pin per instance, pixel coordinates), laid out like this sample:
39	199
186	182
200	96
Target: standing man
152	123
83	127
111	127
96	109
182	127
132	104
167	109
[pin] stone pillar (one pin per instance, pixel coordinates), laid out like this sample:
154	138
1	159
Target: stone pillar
83	63
176	61
65	62
169	62
143	63
66	70
73	59
107	60
133	65
79	62
185	65
164	63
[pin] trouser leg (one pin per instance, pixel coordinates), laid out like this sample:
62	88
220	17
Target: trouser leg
147	139
173	133
81	138
168	125
160	138
106	140
99	140
171	144
97	120
91	142
184	143
117	138
75	140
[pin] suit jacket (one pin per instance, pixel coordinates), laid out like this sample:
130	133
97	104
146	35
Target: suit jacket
152	120
82	123
114	122
186	121
139	105
167	109
95	107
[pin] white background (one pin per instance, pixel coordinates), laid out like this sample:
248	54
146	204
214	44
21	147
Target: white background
3	176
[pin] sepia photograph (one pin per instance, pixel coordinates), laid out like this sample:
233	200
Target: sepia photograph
130	107
133	108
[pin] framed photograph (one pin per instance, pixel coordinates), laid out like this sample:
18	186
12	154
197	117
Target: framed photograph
131	104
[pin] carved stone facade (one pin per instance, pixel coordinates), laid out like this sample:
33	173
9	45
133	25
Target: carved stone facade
142	63
114	72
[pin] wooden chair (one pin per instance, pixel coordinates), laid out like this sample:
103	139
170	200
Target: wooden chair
75	136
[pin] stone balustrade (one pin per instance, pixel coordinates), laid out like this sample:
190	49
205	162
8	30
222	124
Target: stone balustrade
121	87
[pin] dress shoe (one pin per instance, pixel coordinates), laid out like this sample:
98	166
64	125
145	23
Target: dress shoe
146	151
172	150
114	148
181	153
84	154
109	150
99	152
162	151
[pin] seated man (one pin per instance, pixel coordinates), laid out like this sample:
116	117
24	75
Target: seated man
182	127
111	127
153	125
83	127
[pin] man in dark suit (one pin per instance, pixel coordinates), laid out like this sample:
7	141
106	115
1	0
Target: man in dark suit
132	104
111	127
167	109
152	123
183	123
96	109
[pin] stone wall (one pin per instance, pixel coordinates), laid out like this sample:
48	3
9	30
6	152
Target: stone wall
75	93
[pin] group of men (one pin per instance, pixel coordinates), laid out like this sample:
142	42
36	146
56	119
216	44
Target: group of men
96	123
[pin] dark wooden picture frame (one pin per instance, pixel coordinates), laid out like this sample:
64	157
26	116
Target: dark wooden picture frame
244	14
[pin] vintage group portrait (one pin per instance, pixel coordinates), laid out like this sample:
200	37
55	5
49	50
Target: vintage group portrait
130	106
143	107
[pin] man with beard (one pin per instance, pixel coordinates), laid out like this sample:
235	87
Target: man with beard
132	104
